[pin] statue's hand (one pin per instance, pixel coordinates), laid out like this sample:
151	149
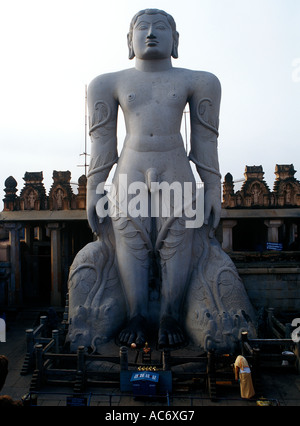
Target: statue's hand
212	206
93	219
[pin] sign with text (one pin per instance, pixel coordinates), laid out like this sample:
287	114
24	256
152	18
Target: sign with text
76	401
274	246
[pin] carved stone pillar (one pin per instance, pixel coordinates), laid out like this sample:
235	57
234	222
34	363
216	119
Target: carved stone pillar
29	235
56	273
15	290
227	226
273	225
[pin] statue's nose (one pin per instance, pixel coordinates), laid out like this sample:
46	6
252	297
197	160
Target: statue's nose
151	35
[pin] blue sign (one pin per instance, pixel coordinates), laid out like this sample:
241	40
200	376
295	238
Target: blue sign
76	401
274	246
145	375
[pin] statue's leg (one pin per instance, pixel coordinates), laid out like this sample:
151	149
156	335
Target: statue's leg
175	254
133	264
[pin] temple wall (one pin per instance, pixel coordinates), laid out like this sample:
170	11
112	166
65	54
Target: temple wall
277	288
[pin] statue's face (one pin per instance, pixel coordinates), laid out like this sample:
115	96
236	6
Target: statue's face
152	37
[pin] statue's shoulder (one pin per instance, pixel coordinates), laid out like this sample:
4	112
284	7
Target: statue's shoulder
201	83
107	83
205	78
199	80
103	81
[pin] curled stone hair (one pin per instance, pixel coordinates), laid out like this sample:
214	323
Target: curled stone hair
154	12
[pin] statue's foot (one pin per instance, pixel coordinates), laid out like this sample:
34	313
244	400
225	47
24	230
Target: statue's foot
170	333
135	332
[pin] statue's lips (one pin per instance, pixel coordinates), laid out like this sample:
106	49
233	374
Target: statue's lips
151	43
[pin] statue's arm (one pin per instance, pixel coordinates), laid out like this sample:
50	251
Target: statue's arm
204	112
103	112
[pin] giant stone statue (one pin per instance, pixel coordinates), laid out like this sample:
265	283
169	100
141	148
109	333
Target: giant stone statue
152	272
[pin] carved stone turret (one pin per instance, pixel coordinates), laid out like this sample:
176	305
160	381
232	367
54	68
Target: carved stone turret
255	190
286	186
11	201
81	196
61	196
33	195
228	191
253	193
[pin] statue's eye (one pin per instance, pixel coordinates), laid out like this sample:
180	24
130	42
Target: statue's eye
142	27
161	27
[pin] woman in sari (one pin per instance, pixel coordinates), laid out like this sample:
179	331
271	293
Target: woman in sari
243	373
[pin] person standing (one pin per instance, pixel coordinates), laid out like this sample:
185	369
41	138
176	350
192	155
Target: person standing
243	373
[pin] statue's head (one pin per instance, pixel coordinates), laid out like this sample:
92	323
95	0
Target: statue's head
168	20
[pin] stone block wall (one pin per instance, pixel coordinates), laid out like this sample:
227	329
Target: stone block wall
277	288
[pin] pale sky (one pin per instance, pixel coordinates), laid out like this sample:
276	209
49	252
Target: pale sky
51	50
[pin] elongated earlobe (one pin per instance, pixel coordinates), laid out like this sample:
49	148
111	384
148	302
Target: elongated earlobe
130	47
175	45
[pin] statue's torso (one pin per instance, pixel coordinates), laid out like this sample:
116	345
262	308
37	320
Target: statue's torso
153	105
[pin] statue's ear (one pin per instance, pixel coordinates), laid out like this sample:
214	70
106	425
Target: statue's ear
175	45
130	47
